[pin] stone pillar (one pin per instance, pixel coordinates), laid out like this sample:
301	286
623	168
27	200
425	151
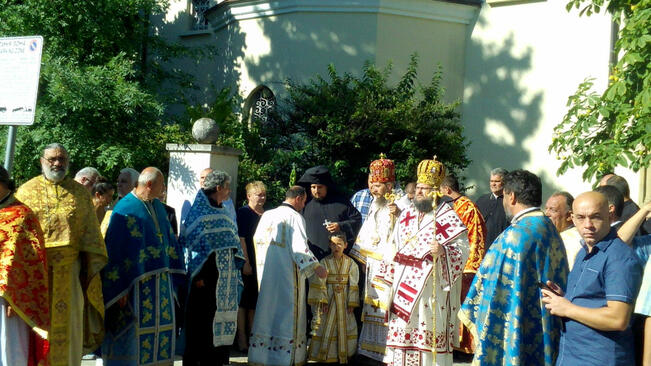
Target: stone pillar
186	162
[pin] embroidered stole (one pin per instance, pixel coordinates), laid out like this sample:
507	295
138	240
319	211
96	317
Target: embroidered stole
336	320
416	257
225	319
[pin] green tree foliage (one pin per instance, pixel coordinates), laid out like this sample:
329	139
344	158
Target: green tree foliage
345	122
99	91
613	128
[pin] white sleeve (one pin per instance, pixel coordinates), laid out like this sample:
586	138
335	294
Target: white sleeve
301	253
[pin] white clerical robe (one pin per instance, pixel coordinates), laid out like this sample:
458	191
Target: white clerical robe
283	263
14	338
425	291
373	248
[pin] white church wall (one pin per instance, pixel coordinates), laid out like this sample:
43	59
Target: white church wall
299	46
522	63
435	42
260	43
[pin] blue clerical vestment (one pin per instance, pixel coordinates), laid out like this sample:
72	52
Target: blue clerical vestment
209	230
503	308
145	264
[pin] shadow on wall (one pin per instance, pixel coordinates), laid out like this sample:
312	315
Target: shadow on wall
280	48
181	172
500	112
269	50
299	46
214	63
231	46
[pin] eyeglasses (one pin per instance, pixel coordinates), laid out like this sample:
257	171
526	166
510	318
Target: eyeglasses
60	159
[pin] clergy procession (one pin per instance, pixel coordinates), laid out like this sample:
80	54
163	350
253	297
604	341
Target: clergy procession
418	276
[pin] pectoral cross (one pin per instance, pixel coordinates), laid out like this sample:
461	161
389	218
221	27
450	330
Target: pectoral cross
160	237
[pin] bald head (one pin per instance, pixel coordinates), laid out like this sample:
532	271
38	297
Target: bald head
591	217
150	184
594	197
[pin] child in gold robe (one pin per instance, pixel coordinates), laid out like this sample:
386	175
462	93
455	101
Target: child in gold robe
334	329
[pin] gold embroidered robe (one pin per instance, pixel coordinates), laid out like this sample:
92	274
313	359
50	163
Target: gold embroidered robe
374	249
75	255
336	331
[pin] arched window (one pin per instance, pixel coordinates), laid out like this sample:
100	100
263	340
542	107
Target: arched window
199	8
260	103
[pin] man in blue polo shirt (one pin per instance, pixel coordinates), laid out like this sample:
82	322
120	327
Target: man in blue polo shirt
601	290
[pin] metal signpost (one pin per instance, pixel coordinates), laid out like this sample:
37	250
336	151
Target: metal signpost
20	67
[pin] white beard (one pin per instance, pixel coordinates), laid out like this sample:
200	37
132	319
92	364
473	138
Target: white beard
54	176
379	202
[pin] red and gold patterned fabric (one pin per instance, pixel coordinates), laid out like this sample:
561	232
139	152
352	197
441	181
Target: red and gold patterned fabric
23	273
474	221
382	170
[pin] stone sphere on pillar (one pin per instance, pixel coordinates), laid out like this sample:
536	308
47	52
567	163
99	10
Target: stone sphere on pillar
205	130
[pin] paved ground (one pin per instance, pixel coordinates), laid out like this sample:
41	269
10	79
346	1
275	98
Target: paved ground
234	361
241	360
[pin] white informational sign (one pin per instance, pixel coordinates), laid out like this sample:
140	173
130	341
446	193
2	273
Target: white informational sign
20	66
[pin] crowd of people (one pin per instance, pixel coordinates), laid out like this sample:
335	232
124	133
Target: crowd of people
391	276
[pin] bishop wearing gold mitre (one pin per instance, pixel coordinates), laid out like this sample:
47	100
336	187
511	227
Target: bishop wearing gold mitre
425	275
